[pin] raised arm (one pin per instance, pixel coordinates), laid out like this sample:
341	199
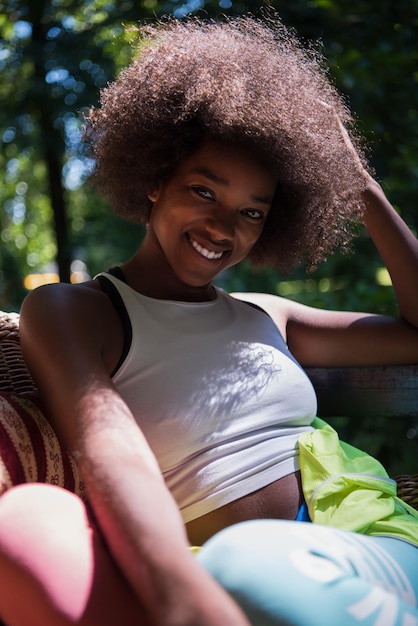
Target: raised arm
65	334
398	248
338	338
396	244
331	338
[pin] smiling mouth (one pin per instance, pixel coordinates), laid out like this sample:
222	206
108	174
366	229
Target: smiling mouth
207	254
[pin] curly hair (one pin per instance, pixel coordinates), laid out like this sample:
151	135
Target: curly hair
246	80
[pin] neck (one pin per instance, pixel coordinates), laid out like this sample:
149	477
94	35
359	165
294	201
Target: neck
161	283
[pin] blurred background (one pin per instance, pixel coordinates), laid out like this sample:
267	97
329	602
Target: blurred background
56	55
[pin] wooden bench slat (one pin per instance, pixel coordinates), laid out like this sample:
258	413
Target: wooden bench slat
380	391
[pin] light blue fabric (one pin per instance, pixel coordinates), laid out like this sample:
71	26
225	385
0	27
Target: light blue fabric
301	574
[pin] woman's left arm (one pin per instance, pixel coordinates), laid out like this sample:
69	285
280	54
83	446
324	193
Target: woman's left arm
396	244
398	248
336	338
323	338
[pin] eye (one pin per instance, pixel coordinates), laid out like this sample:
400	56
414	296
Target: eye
254	214
203	192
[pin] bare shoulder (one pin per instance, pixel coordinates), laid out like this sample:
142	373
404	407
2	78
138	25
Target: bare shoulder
66	315
55	292
61	305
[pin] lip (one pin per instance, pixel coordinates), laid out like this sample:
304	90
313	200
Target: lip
208	252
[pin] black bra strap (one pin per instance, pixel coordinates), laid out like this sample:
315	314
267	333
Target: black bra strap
110	290
117	273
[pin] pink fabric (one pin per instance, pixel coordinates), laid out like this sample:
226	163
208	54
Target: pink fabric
54	567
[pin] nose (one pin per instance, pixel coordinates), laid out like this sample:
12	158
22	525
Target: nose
220	226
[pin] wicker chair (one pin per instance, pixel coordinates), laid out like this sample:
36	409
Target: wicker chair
14	375
15	378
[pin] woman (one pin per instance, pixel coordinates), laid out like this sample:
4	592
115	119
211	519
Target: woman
187	409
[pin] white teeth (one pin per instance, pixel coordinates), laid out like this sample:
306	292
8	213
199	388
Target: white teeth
208	254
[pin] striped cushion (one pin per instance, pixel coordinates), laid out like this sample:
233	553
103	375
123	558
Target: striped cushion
30	450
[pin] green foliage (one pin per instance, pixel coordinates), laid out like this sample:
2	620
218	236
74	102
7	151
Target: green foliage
54	59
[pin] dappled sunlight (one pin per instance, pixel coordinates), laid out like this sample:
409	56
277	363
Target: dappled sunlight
241	378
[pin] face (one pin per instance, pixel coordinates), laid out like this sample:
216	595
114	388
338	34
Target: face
209	214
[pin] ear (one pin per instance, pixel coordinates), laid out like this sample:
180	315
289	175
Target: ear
155	194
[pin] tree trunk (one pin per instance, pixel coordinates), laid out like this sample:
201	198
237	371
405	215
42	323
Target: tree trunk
52	142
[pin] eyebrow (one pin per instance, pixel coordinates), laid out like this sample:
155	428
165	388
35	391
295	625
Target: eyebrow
224	183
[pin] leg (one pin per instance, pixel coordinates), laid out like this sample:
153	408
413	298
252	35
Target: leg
54	568
301	574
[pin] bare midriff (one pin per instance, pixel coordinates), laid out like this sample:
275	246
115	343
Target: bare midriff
279	500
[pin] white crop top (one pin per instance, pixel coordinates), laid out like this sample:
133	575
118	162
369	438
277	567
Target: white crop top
217	394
